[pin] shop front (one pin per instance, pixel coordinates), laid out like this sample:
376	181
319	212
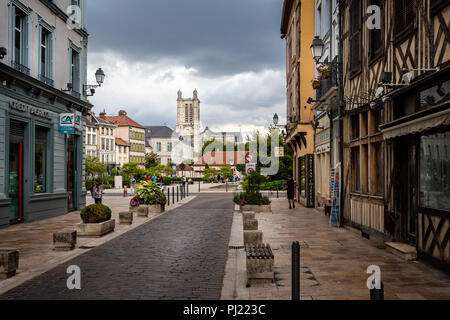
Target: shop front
41	167
418	139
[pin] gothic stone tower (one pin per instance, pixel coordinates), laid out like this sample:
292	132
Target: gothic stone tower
188	122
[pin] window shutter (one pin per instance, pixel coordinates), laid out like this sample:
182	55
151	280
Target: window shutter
51	55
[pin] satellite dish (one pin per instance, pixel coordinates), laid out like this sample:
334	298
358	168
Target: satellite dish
379	92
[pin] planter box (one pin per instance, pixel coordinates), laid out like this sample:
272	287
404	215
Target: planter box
9	263
156	208
95	230
126	217
133	209
256	208
142	211
64	240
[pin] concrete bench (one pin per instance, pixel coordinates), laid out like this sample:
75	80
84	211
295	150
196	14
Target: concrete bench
260	262
126	217
64	240
253	237
9	263
250	224
248	216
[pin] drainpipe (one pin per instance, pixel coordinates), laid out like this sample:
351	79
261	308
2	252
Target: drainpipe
341	106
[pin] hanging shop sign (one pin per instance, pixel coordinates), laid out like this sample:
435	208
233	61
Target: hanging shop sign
78	121
310	195
67	123
29	110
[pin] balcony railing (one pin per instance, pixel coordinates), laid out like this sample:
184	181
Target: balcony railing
46	80
20	67
326	85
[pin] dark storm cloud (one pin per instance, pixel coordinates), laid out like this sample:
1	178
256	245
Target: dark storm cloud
217	37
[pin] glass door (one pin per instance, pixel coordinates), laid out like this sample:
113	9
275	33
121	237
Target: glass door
72	172
412	194
16	171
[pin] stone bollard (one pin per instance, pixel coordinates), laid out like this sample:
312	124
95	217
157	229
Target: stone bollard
64	240
126	217
9	263
251	224
253	237
142	211
248	216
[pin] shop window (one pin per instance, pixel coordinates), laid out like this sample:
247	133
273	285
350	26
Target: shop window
355	159
40	159
379	167
355	126
364	175
435	171
435	95
363	124
302	176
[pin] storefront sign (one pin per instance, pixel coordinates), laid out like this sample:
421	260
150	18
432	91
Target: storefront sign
33	111
78	120
310	195
67	123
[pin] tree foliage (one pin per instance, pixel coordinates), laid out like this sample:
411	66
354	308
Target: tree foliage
94	167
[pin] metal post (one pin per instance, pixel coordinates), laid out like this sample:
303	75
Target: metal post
296	270
177	193
187	189
199	186
168	196
377	294
173	195
277	192
227	185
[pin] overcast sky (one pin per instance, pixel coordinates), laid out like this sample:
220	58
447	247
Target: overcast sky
229	50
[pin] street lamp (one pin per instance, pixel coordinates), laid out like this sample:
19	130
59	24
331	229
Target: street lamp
275	119
317	47
89	89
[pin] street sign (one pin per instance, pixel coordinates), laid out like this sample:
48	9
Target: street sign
67	123
279	152
250	167
249	158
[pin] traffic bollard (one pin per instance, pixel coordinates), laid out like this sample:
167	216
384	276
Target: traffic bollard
227	186
187	190
168	197
295	270
199	187
177	193
173	195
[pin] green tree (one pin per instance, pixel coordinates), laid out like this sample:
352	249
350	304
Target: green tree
151	160
94	167
130	169
226	171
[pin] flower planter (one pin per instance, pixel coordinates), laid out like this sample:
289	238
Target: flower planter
95	230
326	75
133	209
142	211
256	208
316	85
156	208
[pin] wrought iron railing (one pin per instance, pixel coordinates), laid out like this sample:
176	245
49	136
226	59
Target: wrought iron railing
20	67
326	85
46	80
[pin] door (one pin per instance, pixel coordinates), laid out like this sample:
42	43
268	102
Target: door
411	205
72	181
16	137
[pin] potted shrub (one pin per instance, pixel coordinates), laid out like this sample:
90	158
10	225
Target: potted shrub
134	204
96	221
252	199
150	195
315	83
324	70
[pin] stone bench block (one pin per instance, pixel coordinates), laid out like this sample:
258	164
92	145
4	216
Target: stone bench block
251	224
248	216
126	217
95	230
142	211
64	240
260	262
9	263
253	237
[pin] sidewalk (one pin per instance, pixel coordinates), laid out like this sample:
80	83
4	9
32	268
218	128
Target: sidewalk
334	261
34	240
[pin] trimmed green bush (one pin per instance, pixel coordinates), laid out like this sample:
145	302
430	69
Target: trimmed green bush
149	193
251	198
95	213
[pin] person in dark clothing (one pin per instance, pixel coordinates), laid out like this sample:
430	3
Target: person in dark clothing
290	187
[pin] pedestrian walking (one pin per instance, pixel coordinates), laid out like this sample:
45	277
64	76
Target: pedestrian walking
290	187
99	194
132	185
94	185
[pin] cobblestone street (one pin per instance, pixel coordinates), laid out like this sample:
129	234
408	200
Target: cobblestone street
180	255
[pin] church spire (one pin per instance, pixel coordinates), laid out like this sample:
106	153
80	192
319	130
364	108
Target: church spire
195	94
180	95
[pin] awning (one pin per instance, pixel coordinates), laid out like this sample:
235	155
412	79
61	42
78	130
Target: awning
418	125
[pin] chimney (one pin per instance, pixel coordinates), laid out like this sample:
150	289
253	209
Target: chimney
122	113
103	114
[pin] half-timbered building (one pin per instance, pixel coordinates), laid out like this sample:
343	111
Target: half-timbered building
396	125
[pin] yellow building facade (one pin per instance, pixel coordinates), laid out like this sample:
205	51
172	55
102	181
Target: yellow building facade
297	28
